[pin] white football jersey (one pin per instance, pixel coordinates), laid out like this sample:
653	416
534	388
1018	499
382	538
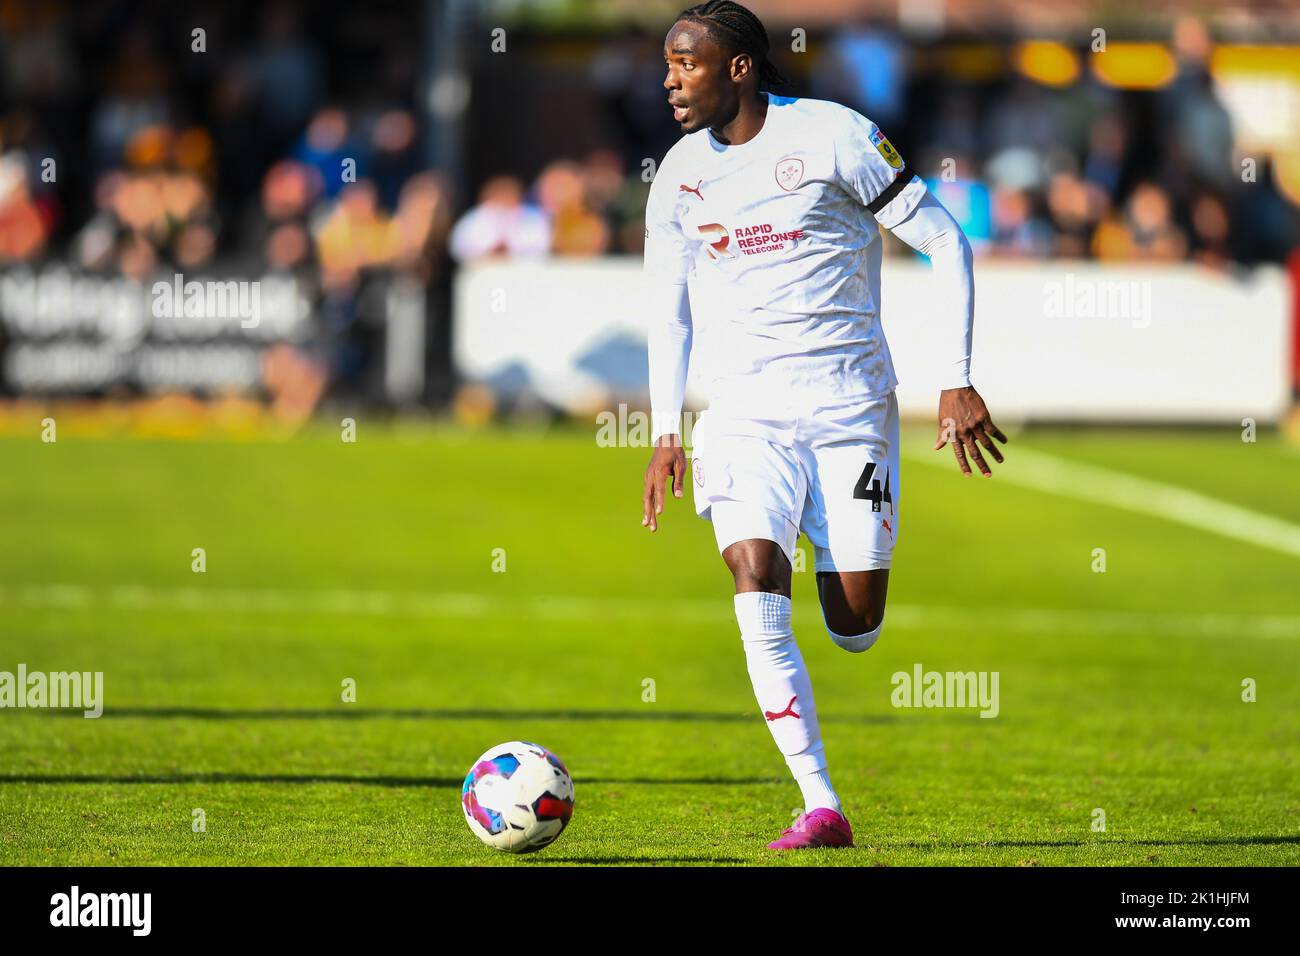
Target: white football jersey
778	240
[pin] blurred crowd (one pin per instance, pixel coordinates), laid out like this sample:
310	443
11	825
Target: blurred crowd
127	151
1087	171
1032	169
143	161
263	168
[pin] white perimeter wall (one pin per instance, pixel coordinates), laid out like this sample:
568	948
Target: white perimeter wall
1059	341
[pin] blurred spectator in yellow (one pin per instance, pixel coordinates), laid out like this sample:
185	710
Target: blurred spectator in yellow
575	229
618	199
356	235
1145	230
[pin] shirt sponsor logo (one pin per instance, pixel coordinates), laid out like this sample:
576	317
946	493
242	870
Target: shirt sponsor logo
750	240
754	240
718	238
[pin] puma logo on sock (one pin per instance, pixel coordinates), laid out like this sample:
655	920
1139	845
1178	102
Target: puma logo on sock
788	712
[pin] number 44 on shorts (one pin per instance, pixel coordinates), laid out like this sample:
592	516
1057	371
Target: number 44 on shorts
871	490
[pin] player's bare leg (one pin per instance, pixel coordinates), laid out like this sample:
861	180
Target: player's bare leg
782	687
853	604
758	565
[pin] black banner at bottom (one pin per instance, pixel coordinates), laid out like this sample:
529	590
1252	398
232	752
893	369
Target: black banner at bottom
331	905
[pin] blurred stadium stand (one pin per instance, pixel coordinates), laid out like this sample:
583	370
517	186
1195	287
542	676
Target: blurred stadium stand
126	157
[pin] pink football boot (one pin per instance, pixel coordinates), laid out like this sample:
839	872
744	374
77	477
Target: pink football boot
820	827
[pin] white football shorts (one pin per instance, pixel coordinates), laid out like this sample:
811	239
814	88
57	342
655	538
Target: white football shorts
830	472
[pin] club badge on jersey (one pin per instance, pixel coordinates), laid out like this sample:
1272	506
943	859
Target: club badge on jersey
789	173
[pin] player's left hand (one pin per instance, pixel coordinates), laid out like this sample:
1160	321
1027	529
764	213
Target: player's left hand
668	461
964	421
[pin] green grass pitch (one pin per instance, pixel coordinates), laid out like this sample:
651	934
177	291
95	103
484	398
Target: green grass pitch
1119	691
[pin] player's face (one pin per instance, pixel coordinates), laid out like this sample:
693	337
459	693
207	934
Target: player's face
699	82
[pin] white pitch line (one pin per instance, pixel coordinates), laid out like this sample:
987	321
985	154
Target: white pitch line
1071	479
580	608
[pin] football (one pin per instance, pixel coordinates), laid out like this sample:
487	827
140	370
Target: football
518	797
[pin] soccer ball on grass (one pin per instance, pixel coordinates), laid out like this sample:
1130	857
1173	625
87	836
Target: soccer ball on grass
518	797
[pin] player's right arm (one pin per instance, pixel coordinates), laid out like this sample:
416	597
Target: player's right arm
667	264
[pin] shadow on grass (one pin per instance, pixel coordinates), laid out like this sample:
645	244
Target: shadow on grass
632	860
1034	844
317	778
647	714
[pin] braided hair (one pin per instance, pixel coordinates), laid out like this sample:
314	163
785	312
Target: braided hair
735	27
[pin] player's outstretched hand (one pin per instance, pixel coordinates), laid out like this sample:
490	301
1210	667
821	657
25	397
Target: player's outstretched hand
964	421
668	460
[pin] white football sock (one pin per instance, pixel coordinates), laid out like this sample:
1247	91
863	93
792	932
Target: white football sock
784	691
818	792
